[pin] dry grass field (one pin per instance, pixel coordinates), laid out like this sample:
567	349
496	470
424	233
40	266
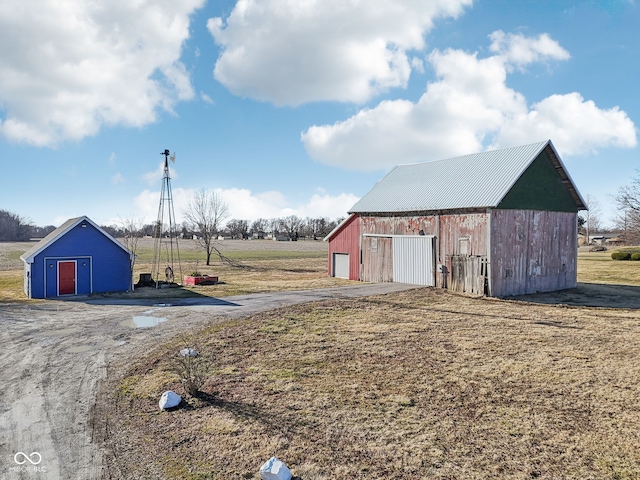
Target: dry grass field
256	267
421	384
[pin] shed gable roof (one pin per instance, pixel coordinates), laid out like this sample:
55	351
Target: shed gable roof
480	180
59	232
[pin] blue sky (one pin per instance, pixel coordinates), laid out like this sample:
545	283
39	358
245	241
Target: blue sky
299	106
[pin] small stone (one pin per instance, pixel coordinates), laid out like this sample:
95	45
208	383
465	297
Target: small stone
274	469
169	399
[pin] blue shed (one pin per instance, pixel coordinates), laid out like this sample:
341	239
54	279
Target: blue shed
77	258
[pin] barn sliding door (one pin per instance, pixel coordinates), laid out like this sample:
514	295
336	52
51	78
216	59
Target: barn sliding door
414	260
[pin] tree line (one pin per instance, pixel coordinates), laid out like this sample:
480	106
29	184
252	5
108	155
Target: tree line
206	218
14	228
292	226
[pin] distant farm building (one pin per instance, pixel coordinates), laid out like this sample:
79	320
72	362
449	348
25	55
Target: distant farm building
77	258
496	223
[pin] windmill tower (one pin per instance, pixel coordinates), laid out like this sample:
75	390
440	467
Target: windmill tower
166	253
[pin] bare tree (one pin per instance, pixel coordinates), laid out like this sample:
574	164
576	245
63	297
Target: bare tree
13	227
291	226
316	227
206	212
591	216
131	232
260	226
628	201
237	228
273	226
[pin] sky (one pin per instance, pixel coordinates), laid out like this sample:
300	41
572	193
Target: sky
298	107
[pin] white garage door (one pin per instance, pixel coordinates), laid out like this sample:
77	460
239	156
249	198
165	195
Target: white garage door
414	260
341	265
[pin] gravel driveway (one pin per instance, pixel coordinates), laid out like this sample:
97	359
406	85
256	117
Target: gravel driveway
55	353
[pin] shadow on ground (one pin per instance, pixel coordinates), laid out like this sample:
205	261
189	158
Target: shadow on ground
151	297
588	295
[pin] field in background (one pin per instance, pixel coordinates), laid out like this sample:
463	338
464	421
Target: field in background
265	265
257	266
598	267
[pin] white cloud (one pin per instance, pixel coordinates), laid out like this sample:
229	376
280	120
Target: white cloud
244	204
206	98
518	50
292	52
112	159
417	64
148	201
576	126
154	177
322	204
67	68
468	107
247	205
117	179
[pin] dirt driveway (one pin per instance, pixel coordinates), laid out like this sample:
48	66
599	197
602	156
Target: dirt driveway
55	353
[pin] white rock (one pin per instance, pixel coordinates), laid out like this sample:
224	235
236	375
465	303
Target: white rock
188	352
169	399
274	469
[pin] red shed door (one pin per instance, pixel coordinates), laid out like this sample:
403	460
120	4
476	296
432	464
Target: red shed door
66	278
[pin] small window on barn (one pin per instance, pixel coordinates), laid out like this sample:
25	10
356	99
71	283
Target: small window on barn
374	244
508	273
464	246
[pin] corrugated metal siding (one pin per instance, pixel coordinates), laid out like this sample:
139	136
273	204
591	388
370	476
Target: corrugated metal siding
347	240
413	260
532	251
472	181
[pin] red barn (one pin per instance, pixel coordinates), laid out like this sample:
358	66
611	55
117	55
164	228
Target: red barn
496	223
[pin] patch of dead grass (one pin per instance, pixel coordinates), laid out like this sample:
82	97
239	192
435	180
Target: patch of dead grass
421	384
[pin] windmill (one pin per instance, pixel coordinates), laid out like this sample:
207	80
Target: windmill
166	253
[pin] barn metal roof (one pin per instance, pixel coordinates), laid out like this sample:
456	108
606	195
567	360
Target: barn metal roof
479	180
30	254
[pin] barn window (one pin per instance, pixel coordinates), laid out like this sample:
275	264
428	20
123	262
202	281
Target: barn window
464	246
508	273
374	244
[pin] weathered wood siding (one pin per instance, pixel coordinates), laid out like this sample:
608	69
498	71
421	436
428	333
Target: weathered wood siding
347	240
532	251
457	234
469	274
377	259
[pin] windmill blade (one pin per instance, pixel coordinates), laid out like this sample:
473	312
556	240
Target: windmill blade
173	157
